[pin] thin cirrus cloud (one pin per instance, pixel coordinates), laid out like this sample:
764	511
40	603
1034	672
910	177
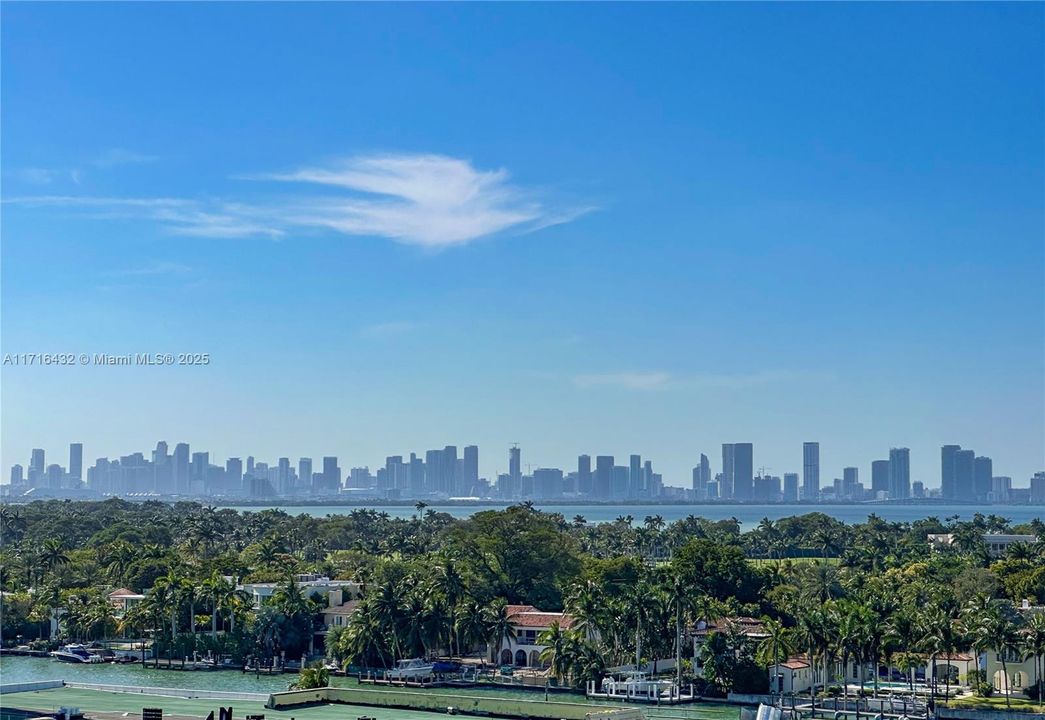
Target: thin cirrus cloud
659	380
429	201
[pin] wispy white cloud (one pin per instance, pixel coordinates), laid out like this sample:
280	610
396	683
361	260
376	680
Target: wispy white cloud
430	201
388	329
179	216
112	157
153	269
46	176
627	380
659	380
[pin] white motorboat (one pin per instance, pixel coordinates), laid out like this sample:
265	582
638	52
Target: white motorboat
637	685
411	669
75	653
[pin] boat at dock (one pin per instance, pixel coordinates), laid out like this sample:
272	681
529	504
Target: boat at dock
411	669
75	653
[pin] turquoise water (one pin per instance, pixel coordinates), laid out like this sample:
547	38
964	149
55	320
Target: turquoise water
748	515
26	669
15	669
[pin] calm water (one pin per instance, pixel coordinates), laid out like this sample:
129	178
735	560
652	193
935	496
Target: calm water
25	669
748	515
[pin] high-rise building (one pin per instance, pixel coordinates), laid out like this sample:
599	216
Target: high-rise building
965	474
331	475
725	485
948	478
515	468
180	467
851	483
471	470
1000	488
603	481
743	470
619	484
37	468
811	471
1037	487
652	485
234	474
899	473
451	480
880	476
16	475
584	481
547	483
305	474
983	476
53	476
701	478
636	482
790	493
766	488
75	464
198	472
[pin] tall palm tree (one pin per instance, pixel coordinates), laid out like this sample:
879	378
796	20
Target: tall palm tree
778	643
681	601
991	629
500	626
586	603
556	651
52	554
1034	646
470	625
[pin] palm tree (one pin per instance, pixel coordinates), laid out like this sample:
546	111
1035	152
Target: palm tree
451	585
1034	646
680	600
53	554
991	629
778	643
587	604
501	628
556	653
470	625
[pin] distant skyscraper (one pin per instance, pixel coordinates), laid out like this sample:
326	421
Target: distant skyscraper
790	487
283	476
948	479
899	473
811	471
451	479
180	467
76	463
701	478
331	475
53	476
1000	489
983	476
636	484
850	481
233	474
305	474
603	481
880	476
651	488
16	475
584	481
965	474
471	470
198	472
725	486
743	471
515	468
37	468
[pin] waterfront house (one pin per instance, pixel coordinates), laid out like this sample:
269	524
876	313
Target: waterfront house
334	592
528	622
998	544
123	599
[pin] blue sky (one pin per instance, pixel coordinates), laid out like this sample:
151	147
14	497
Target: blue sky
582	228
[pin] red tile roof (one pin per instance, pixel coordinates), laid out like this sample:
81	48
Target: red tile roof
124	592
536	619
794	663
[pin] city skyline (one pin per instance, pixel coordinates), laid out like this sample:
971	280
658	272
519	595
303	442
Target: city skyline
612	227
443	473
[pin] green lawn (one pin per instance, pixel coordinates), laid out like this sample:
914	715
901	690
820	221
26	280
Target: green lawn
763	562
997	702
